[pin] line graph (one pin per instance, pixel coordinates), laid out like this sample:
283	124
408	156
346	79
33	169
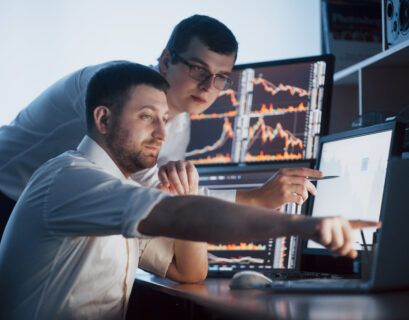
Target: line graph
259	131
232	95
227	133
264	110
273	157
213	115
273	89
275	111
240	259
272	113
235	247
269	134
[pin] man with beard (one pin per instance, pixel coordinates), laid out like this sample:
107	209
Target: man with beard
81	227
197	62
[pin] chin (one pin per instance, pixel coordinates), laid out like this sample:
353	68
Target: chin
150	163
197	110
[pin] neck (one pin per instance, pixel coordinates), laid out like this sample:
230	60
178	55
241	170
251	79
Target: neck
102	143
173	113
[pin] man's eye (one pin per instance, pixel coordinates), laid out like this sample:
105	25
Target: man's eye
221	77
200	70
146	116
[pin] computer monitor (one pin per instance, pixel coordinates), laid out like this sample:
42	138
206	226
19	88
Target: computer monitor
280	253
274	111
360	159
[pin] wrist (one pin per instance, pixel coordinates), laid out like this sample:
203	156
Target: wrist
246	197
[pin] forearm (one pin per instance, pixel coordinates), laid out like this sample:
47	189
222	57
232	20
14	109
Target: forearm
244	197
208	219
189	263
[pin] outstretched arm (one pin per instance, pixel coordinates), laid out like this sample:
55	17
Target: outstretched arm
208	219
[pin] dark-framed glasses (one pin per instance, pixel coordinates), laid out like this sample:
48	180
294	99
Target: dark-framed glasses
202	74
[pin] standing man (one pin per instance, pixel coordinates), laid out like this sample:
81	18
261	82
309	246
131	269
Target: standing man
81	227
196	62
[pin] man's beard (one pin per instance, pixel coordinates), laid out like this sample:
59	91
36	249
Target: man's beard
128	159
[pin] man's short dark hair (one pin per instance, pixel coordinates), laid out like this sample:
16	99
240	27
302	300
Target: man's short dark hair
210	31
111	86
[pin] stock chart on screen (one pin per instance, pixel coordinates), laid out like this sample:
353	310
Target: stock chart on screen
274	111
279	253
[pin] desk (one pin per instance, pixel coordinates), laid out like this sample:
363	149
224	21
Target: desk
154	298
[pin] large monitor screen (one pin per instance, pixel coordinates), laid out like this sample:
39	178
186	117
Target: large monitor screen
360	162
280	253
274	111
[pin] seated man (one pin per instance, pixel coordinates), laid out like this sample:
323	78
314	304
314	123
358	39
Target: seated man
81	227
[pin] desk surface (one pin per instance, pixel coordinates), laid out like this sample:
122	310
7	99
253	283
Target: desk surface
215	294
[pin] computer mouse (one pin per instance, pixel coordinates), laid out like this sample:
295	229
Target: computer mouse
248	280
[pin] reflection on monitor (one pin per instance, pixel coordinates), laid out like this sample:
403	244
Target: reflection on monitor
361	164
277	253
273	111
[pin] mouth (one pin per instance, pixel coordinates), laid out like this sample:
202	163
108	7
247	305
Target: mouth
153	148
198	99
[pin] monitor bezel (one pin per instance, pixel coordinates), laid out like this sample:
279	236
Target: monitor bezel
329	59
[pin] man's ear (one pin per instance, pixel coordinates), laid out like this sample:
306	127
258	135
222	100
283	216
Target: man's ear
164	61
102	118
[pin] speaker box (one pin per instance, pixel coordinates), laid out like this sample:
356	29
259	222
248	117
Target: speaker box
396	21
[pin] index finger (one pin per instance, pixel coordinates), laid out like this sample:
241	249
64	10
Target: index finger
302	172
360	224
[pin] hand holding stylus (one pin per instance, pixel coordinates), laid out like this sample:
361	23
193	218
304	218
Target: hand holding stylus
287	185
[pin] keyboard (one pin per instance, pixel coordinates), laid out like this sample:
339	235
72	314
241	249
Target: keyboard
287	274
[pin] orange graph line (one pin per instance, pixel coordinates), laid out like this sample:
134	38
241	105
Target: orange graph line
271	109
263	110
268	133
227	133
234	247
273	89
271	157
213	115
232	94
219	158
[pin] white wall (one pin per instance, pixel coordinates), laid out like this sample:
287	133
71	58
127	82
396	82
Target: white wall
42	40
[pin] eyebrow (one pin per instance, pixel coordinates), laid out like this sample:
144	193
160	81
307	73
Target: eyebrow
194	59
153	109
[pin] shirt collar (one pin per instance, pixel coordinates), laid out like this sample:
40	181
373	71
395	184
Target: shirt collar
96	154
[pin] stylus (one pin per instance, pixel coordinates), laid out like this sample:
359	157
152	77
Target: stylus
322	178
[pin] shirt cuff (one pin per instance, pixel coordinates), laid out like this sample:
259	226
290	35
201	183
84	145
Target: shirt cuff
158	255
227	195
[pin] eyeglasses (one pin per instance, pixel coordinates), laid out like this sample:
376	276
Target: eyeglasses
201	74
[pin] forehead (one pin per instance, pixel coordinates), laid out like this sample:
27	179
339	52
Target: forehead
142	96
216	62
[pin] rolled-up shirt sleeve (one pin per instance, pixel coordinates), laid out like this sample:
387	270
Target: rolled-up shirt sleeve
82	202
156	255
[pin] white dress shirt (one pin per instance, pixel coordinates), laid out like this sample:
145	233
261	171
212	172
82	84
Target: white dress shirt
55	122
72	246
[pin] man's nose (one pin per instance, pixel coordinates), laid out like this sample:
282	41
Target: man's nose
206	84
160	131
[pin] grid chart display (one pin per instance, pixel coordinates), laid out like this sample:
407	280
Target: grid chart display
277	253
271	113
